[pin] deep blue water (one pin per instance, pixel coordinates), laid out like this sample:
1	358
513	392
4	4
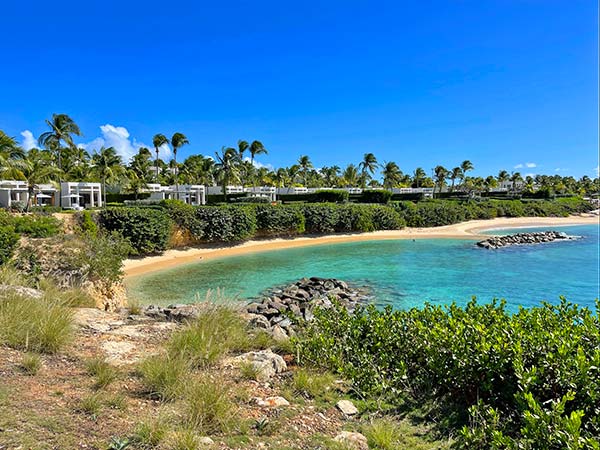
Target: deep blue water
403	273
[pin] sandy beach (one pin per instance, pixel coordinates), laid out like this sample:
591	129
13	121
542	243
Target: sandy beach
463	230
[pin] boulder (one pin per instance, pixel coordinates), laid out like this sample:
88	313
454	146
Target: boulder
352	440
265	362
347	407
271	402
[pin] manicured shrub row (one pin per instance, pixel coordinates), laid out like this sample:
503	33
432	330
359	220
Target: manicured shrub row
279	220
147	230
524	380
433	213
225	223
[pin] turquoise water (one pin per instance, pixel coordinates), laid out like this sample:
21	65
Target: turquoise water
403	273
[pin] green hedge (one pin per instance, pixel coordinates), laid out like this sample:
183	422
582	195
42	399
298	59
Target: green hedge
376	196
528	380
277	220
226	223
147	230
330	196
9	240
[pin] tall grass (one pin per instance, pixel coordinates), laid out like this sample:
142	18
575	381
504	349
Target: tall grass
102	371
218	329
42	325
209	407
163	376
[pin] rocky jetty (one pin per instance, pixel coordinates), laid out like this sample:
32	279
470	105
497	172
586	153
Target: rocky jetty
524	239
278	309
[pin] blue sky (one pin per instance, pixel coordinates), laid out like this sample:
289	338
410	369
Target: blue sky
505	83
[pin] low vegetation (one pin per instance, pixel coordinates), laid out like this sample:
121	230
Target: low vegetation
528	380
150	229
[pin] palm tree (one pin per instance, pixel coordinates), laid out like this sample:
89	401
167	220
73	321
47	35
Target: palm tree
158	141
440	177
11	155
350	176
178	140
465	167
490	183
305	164
502	177
418	175
108	166
37	169
227	167
281	177
515	178
391	175
256	148
457	172
367	167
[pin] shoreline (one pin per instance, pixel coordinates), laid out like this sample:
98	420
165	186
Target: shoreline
463	230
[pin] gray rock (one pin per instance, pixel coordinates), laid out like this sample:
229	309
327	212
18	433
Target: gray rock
266	363
352	440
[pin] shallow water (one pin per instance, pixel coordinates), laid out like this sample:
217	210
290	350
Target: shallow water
403	273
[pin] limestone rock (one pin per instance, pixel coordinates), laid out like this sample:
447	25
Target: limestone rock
271	402
20	290
347	407
266	363
352	440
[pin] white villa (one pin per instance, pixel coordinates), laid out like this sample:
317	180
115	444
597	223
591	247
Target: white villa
192	194
12	191
75	195
218	190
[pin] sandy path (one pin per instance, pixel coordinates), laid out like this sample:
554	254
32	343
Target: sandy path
464	230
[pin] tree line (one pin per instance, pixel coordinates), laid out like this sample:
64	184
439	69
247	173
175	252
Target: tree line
58	158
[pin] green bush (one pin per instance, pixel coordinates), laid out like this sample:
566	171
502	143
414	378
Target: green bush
320	219
517	368
386	218
279	220
376	196
352	218
226	223
330	196
9	240
86	223
147	230
184	216
251	199
37	225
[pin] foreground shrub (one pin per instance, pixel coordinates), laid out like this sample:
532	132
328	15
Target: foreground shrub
320	219
386	218
41	325
31	363
8	243
533	369
226	223
147	230
102	371
279	220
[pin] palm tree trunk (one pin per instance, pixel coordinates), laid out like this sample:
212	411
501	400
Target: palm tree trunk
175	171
156	164
104	190
252	165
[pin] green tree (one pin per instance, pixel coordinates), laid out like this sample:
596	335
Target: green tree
441	173
227	167
457	172
178	140
367	168
62	129
36	169
158	141
11	155
305	164
350	176
391	175
418	176
107	165
465	166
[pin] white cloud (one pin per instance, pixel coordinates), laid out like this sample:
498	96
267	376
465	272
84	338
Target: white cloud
29	141
120	139
258	164
529	165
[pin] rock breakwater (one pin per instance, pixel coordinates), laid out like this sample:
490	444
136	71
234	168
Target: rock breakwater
278	310
524	239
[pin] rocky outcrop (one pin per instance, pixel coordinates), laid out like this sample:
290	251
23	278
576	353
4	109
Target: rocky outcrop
278	311
22	291
524	239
